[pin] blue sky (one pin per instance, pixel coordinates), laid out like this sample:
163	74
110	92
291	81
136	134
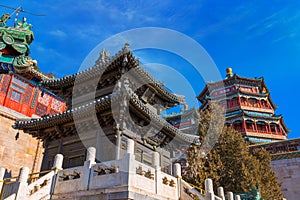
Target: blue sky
255	38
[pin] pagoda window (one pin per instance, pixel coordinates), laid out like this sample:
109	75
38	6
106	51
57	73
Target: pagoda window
243	101
274	128
253	102
235	102
238	126
264	104
250	126
262	126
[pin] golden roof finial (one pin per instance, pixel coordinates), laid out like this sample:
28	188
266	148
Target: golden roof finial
229	72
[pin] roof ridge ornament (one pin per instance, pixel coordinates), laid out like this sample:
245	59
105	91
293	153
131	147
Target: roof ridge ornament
104	56
23	24
229	73
126	47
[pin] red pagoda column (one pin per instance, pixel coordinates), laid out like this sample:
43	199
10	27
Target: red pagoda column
280	130
239	100
244	125
269	127
260	104
247	101
255	125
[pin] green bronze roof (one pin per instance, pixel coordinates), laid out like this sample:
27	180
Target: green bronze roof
18	38
14	49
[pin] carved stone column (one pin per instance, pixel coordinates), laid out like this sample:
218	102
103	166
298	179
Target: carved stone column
91	154
177	170
209	190
118	143
130	146
237	197
58	162
155	159
221	193
23	175
230	196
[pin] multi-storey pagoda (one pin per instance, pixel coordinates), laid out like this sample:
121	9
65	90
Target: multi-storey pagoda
21	96
248	106
186	121
127	101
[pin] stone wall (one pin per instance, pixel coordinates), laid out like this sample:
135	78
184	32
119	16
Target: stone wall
17	152
288	173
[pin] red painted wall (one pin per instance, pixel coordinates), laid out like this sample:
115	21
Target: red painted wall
18	94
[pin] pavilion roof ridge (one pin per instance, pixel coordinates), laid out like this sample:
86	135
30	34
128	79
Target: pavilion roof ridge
97	65
161	89
92	72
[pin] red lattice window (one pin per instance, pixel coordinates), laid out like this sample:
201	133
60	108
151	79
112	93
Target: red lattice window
5	83
40	110
16	96
56	105
27	95
45	99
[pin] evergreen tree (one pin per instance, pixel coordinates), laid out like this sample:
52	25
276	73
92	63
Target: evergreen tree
270	188
230	163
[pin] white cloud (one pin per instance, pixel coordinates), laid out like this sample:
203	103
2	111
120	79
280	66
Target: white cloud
58	33
284	23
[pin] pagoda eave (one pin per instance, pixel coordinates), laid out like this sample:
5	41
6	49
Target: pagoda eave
257	117
265	135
